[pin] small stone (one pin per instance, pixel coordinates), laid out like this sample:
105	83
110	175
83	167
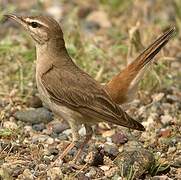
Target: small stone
54	173
48	159
17	171
138	159
82	131
166	119
104	168
39	138
54	151
34	101
42	167
164	177
81	176
111	150
34	116
171	98
63	137
119	138
10	125
67	132
50	140
58	127
27	128
171	150
165	133
108	133
27	174
111	172
91	173
177	162
38	127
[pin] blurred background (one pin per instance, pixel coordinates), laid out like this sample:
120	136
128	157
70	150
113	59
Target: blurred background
102	36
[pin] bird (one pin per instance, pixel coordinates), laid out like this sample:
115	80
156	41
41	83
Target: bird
123	86
66	89
73	94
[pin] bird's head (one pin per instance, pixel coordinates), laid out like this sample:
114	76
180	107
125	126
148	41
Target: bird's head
41	28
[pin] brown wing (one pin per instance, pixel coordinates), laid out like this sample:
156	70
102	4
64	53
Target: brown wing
81	93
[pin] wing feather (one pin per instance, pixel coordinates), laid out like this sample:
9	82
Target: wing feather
83	94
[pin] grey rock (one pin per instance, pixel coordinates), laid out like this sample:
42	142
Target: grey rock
136	161
34	116
172	98
111	150
119	138
39	127
39	138
59	127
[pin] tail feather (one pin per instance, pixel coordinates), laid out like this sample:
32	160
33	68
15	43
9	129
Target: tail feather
148	54
122	87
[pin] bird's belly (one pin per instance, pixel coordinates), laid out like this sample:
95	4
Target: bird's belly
61	110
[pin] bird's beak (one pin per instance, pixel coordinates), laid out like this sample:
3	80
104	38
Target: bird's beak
18	19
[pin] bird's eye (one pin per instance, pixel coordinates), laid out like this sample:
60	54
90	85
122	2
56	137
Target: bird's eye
34	24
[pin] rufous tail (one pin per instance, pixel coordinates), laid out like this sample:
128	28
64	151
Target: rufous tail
123	86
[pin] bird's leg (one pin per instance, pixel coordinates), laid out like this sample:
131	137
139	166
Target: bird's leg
89	133
75	137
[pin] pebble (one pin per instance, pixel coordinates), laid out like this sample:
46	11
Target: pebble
39	138
91	173
58	127
81	176
34	116
27	174
63	137
17	171
140	159
38	127
164	177
10	125
82	131
54	151
165	133
48	159
54	173
119	138
104	168
171	150
50	140
42	167
177	162
111	150
171	98
166	119
27	128
34	101
67	132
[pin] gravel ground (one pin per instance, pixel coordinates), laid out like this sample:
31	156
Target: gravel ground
98	37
